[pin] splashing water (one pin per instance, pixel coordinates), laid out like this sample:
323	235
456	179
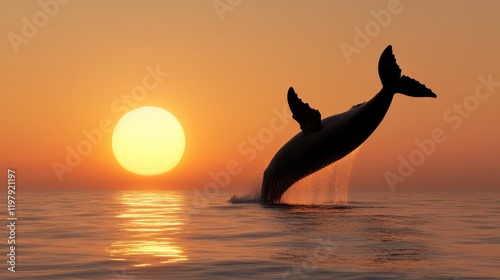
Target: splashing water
329	185
252	197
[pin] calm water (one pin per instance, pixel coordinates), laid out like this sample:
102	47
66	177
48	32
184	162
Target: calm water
177	235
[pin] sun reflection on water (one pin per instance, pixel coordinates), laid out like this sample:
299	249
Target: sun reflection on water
150	223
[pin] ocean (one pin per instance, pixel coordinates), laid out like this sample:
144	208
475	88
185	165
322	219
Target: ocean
184	235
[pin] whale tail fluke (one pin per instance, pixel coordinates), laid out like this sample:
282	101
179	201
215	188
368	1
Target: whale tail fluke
411	87
390	75
388	69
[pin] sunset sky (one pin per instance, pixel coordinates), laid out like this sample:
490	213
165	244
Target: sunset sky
223	68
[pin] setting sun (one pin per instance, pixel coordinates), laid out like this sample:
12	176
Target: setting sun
148	141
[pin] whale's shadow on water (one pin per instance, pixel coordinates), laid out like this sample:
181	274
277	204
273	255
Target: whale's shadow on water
360	236
322	142
328	208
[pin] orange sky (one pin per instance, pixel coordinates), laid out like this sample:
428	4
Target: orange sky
66	67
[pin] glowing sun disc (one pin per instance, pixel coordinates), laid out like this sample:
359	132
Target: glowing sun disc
148	141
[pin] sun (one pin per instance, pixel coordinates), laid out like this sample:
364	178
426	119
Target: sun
148	141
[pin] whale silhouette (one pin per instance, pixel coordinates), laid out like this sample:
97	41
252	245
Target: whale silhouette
322	142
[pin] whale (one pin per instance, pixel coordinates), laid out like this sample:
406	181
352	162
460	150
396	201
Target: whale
321	142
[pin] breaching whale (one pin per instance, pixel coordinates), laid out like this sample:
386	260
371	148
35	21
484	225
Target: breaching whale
322	142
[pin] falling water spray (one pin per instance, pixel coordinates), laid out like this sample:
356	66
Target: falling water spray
327	186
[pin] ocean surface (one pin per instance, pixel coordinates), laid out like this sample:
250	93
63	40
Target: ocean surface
192	235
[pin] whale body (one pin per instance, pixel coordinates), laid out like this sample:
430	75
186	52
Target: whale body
324	141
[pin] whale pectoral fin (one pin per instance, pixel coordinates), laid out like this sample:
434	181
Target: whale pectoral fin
388	69
309	119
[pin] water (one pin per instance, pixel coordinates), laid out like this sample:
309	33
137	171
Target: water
177	235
